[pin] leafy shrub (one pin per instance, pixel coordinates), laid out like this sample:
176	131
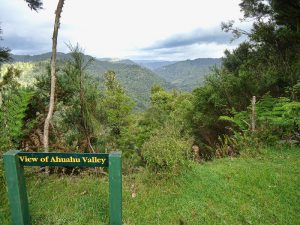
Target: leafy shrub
277	120
166	150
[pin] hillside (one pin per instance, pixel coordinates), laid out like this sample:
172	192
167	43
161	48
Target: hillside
153	64
137	76
224	191
186	75
36	58
136	80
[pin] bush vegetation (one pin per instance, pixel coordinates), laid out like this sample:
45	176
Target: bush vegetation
96	115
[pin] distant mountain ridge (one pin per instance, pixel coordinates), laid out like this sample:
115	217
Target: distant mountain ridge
136	80
35	58
138	76
188	74
153	64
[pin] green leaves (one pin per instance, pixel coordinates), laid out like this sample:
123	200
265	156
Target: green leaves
116	109
12	114
266	63
166	150
277	120
280	112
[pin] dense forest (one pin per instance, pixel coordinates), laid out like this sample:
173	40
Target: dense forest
210	141
94	113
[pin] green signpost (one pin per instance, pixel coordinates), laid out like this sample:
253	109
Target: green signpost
15	160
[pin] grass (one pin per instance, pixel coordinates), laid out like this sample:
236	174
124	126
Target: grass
261	190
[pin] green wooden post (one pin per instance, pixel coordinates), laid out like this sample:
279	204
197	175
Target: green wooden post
17	194
115	189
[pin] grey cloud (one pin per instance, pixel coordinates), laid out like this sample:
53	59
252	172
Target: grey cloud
26	45
31	45
165	51
17	42
196	37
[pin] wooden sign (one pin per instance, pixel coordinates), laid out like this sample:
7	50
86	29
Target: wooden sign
15	160
63	159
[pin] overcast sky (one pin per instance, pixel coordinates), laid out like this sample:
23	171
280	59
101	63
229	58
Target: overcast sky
135	29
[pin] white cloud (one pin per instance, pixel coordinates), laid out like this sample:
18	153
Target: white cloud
118	28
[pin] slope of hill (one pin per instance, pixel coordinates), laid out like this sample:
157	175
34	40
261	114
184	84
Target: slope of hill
117	60
35	58
136	80
186	75
139	76
153	64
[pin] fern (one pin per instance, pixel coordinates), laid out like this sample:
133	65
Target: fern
12	113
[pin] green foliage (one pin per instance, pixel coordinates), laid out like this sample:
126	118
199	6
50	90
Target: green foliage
96	112
13	105
84	94
166	150
9	79
277	120
166	107
209	103
163	131
136	80
266	63
12	114
77	116
239	120
186	75
116	109
279	112
26	69
4	55
87	116
287	12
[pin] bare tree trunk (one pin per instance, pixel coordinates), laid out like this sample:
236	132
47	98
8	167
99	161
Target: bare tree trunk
84	122
253	115
53	74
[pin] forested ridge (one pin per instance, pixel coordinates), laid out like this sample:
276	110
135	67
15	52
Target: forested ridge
136	80
249	101
189	74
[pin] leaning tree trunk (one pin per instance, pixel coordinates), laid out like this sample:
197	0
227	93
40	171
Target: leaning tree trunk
53	74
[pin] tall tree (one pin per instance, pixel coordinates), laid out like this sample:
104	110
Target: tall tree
75	69
53	74
116	107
